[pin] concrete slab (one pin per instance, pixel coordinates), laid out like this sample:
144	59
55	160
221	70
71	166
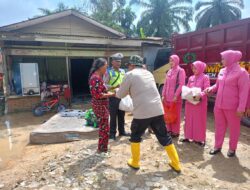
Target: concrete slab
60	129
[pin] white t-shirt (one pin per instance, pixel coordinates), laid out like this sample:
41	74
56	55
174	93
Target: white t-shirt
140	85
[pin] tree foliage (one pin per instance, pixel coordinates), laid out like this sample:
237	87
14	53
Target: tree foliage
60	7
114	13
214	12
163	17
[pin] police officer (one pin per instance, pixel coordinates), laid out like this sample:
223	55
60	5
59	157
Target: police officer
113	79
148	111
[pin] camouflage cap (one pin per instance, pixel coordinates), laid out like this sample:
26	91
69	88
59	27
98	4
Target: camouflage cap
117	56
136	60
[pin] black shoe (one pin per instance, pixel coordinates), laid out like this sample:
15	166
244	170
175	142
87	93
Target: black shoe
215	151
184	140
202	144
173	135
125	134
112	137
231	153
150	130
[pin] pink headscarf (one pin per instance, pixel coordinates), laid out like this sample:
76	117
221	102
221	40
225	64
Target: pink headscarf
200	66
231	57
176	60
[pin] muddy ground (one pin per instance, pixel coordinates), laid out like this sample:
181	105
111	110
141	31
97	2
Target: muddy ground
75	165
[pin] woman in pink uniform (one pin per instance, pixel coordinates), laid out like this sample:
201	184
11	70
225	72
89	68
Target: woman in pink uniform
232	93
175	79
195	125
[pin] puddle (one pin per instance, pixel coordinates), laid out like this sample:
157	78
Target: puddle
14	135
11	144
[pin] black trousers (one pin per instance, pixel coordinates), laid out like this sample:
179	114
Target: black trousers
157	124
116	114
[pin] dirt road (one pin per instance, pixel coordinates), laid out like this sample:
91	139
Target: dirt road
76	165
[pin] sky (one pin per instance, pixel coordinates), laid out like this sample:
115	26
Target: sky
13	11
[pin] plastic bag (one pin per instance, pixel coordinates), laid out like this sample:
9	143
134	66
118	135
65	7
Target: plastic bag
170	113
126	104
91	118
189	94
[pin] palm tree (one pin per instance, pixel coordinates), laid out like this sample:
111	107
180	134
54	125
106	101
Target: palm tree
163	17
214	12
115	14
60	7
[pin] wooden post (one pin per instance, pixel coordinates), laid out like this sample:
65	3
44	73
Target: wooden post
6	85
68	70
68	67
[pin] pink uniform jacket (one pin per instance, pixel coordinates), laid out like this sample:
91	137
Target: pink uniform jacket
195	125
169	88
232	87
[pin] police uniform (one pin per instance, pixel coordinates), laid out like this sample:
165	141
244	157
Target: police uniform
113	78
148	111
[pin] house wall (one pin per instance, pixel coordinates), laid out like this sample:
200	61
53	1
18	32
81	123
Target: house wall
83	52
21	103
69	25
24	103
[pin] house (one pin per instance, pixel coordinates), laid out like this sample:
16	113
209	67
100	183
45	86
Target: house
64	46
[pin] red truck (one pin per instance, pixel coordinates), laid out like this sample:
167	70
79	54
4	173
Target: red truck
205	45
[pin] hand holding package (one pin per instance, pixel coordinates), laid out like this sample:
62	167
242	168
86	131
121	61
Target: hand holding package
189	94
126	104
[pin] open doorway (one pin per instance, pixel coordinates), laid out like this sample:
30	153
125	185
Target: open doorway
79	77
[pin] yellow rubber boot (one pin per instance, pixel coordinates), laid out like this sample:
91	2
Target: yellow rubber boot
174	158
134	162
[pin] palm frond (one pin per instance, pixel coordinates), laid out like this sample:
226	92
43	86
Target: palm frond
182	10
200	4
183	22
238	3
201	13
205	20
45	11
236	11
178	2
142	3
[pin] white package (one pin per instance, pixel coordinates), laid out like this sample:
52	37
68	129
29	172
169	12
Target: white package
126	104
189	94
